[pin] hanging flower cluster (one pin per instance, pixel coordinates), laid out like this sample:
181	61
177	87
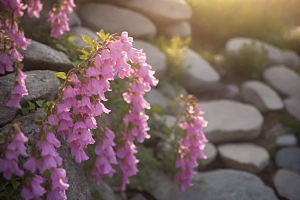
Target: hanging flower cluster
192	145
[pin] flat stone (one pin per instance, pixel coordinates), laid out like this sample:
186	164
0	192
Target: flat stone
274	54
199	75
231	121
262	96
291	59
102	191
76	32
168	90
138	197
226	185
288	158
292	106
244	156
211	152
38	56
155	57
155	97
74	19
286	81
181	29
114	19
40	85
287	184
286	140
161	11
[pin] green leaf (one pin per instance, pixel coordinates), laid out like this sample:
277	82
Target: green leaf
61	75
47	173
2	138
102	34
31	106
3	194
38	123
87	40
83	57
40	103
106	37
15	184
83	51
24	111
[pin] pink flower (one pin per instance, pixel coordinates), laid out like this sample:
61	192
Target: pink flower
35	190
34	8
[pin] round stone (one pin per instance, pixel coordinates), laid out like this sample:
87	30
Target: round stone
288	158
287	184
286	140
210	151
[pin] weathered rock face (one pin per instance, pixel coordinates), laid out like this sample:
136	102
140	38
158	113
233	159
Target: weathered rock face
261	95
283	79
38	56
102	191
286	140
76	32
199	76
155	97
155	57
211	152
74	20
79	188
287	184
288	158
231	121
275	55
244	156
181	29
292	106
116	20
226	185
160	11
40	85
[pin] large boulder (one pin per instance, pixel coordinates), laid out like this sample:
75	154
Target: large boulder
262	96
226	185
287	184
244	156
288	158
199	75
210	151
161	11
74	19
292	106
38	56
114	19
231	121
155	57
40	85
181	29
286	81
77	33
155	97
291	59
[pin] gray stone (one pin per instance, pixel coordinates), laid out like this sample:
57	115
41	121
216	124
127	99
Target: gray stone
40	85
102	191
38	56
261	95
77	32
292	106
199	76
226	185
287	184
211	152
161	11
286	140
181	29
231	121
74	20
286	81
114	19
291	59
274	54
244	156
155	97
155	57
138	197
168	90
288	158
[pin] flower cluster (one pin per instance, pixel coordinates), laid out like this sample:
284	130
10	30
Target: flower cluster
191	146
34	8
59	19
33	189
10	155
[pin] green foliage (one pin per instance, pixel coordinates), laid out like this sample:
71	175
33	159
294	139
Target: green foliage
292	123
174	48
247	62
102	35
11	189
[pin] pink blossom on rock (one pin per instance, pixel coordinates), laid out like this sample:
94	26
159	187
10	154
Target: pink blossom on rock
34	190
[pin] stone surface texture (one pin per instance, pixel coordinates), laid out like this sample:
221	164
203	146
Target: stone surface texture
226	185
199	75
286	140
155	97
291	59
286	81
102	191
74	19
155	57
210	151
38	56
287	184
181	29
114	19
262	96
231	121
40	85
76	32
244	156
288	158
292	106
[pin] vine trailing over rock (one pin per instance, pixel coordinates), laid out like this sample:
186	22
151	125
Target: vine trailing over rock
80	99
